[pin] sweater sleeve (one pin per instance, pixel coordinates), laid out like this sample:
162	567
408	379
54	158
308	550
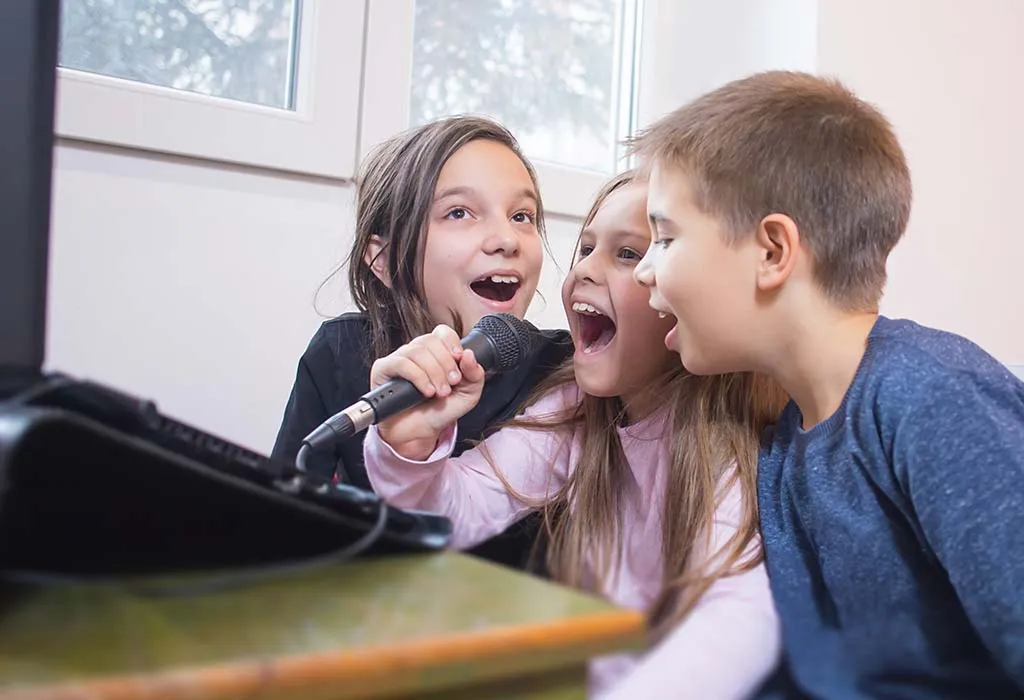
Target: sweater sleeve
467	489
729	643
959	455
307	405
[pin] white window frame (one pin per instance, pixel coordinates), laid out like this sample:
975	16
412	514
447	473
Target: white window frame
352	91
386	99
318	137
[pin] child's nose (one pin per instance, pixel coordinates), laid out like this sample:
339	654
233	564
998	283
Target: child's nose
643	273
586	270
501	240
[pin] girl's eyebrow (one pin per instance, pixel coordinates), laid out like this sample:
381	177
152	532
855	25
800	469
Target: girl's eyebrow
462	190
618	235
527	193
645	236
454	192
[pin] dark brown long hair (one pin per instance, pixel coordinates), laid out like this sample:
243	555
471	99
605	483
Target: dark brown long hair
394	193
714	425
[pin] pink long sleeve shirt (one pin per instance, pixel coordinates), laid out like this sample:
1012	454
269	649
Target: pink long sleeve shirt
724	648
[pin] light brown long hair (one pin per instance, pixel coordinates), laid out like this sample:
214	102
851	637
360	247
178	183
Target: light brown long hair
714	425
394	193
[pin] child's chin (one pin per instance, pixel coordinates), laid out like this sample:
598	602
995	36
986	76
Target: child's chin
596	384
694	364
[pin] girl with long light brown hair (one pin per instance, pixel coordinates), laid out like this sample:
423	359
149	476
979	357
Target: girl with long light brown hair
643	473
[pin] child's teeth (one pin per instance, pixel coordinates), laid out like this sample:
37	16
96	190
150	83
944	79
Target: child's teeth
506	279
580	307
662	314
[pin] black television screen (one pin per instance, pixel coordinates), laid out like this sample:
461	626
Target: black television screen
28	68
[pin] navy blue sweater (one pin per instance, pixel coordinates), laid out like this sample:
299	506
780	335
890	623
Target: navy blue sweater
894	530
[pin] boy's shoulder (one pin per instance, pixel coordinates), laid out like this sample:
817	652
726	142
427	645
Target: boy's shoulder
912	380
909	365
927	391
923	401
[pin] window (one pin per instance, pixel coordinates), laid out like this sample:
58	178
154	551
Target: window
271	83
561	74
242	51
310	86
558	74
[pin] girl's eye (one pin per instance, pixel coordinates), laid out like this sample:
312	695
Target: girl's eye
457	213
630	254
586	250
663	242
524	217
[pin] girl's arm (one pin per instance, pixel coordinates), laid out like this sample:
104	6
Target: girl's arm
729	643
535	462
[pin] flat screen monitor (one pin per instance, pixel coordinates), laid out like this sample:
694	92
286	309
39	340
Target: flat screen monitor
28	68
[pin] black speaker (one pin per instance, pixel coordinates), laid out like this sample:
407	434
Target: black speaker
94	482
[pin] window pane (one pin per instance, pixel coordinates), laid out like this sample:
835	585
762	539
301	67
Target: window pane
236	49
550	70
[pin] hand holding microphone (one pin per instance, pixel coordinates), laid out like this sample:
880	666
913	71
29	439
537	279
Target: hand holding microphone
445	373
439	370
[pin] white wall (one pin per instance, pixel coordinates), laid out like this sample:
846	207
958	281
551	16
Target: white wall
948	75
698	45
193	284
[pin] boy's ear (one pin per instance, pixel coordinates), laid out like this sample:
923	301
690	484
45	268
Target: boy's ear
778	240
377	259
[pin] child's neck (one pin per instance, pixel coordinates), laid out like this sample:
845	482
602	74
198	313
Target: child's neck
637	407
818	366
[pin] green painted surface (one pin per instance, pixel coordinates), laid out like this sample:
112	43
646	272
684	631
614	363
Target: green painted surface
74	633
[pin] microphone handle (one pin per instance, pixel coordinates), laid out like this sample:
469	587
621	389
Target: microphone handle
389	399
386	400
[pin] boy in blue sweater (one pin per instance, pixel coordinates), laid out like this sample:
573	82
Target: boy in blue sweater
891	492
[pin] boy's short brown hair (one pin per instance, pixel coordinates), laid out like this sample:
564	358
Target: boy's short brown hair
800	145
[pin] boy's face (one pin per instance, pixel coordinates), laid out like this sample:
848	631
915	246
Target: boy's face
709	286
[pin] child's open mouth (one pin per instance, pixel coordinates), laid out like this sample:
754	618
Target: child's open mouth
596	329
496	287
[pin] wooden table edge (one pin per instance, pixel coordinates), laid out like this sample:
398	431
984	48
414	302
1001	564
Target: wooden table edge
374	670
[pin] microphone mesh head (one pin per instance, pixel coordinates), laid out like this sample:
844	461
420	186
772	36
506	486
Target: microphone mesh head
512	338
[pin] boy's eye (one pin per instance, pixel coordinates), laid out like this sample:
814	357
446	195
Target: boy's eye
630	254
457	213
663	242
524	217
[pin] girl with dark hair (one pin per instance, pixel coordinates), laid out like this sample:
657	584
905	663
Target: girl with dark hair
449	227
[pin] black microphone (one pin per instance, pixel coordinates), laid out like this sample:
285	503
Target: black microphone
499	342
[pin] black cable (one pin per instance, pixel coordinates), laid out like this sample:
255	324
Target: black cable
302	464
302	457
